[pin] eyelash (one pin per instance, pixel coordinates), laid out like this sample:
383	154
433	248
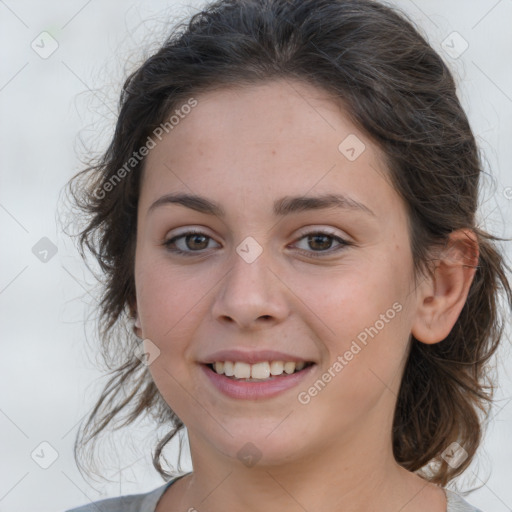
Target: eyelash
315	254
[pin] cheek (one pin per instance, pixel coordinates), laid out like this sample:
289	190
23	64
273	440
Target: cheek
355	297
367	314
170	307
170	301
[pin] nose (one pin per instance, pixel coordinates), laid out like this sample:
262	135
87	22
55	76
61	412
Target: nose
251	295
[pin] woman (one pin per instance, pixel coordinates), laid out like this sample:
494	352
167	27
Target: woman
286	217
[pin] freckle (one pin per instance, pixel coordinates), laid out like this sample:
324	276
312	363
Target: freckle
273	151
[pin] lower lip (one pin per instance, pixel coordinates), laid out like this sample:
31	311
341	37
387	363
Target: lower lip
255	390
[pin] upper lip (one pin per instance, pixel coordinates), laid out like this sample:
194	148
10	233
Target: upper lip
252	357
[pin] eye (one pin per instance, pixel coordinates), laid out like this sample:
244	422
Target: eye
192	241
188	243
322	242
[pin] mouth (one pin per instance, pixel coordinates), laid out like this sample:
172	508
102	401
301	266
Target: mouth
257	372
256	381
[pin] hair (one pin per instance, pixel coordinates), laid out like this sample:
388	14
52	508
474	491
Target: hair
401	94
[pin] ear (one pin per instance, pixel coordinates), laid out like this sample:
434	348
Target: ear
137	328
442	296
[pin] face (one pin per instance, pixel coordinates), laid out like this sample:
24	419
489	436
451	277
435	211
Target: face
329	283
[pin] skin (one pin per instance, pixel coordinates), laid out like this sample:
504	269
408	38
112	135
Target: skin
245	148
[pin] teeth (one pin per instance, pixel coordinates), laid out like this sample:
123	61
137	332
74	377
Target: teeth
276	367
228	369
242	370
289	367
262	370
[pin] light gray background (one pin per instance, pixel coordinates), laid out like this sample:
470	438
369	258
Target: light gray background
48	382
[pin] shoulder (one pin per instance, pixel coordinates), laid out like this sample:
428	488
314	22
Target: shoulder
457	504
144	502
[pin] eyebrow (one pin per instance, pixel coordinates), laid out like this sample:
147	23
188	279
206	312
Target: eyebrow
285	206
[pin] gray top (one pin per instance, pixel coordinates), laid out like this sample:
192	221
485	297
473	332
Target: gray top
147	502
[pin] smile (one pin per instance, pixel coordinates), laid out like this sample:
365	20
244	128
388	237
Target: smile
261	380
258	371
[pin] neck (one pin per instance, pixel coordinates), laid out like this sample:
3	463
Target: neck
341	477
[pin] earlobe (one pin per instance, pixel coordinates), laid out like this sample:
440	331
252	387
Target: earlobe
137	327
442	296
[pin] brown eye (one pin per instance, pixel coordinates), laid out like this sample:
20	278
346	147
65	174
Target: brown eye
321	243
196	241
188	243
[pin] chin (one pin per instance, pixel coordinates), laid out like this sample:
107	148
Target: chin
258	447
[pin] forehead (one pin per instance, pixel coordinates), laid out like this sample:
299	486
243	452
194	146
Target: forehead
275	138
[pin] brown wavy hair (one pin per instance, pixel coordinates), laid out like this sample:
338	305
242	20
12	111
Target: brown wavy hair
396	89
